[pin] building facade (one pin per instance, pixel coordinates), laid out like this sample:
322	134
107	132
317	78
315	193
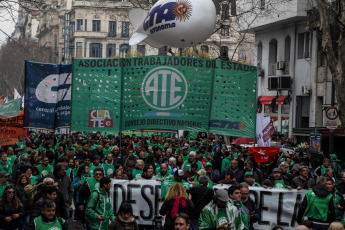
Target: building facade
101	29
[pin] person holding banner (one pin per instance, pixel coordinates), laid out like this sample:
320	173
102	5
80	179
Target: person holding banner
176	201
275	180
318	206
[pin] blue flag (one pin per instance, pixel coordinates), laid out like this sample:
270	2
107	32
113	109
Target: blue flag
47	96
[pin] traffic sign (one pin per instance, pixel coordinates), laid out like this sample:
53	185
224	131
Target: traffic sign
332	113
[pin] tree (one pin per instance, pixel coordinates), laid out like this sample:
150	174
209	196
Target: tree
12	58
329	23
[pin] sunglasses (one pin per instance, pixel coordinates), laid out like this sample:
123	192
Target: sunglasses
10	192
98	174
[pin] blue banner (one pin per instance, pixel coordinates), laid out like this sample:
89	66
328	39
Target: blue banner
47	96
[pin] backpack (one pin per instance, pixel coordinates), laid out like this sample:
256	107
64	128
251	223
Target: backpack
30	191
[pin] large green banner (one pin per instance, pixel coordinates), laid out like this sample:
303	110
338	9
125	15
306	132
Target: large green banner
164	92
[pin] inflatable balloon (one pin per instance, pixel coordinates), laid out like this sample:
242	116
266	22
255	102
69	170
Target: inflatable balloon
179	23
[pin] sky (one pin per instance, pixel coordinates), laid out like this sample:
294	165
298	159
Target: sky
7	25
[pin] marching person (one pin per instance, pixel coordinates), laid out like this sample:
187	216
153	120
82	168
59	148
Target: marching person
99	210
318	206
10	209
48	219
124	219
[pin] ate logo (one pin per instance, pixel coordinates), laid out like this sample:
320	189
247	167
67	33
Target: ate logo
100	118
164	88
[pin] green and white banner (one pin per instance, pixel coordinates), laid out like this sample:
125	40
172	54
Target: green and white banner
11	108
164	92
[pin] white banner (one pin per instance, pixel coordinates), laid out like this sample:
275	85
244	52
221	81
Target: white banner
278	206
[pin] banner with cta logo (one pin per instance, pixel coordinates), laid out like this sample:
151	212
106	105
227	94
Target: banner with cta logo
164	92
47	96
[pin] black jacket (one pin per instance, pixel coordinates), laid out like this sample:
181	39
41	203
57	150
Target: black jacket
340	185
7	209
167	207
37	208
201	196
319	191
270	181
252	207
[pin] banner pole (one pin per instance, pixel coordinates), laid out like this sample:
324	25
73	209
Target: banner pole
178	139
120	134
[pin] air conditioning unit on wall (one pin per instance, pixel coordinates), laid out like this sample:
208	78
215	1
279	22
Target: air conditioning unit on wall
280	65
305	89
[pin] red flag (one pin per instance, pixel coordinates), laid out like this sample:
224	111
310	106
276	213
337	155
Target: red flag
263	154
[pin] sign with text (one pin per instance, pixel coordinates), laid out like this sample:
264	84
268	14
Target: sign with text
47	96
278	206
165	92
11	128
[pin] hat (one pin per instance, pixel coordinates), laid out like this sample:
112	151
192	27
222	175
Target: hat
25	156
202	172
333	156
179	172
208	164
276	170
248	174
3	174
222	195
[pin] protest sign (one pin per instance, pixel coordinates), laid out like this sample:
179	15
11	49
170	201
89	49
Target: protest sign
164	92
278	206
47	96
11	128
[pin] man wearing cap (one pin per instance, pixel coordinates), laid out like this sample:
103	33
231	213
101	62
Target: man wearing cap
3	182
249	180
220	214
212	174
303	181
275	180
257	174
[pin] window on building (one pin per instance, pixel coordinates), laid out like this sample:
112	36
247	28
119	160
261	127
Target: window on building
125	30
224	53
273	49
233	8
259	57
225	11
112	29
141	49
79	50
111	50
72	27
96	50
85	49
96	25
262	4
71	50
304	45
204	49
79	24
85	25
124	50
287	49
224	30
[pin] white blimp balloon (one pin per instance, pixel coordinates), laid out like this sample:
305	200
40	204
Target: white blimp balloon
179	23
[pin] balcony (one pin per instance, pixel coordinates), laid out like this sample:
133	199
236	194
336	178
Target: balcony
90	34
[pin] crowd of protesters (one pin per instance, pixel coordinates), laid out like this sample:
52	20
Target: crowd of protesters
46	179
